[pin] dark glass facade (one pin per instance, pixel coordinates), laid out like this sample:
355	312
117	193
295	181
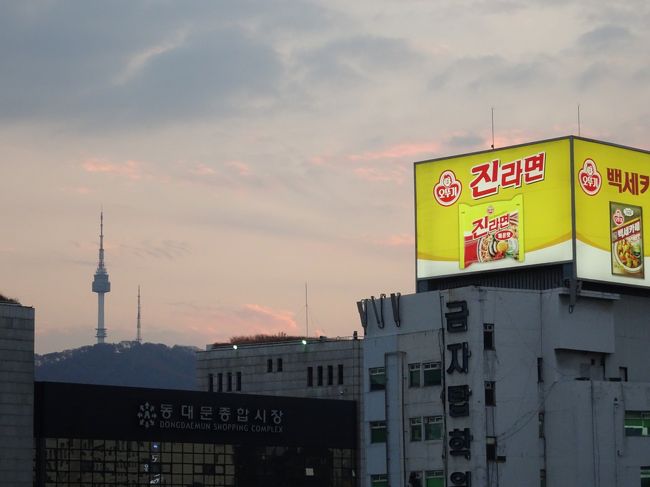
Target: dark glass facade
96	435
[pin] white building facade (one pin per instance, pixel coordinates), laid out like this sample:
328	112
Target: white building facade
481	386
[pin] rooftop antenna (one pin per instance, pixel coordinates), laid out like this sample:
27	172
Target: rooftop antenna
578	119
306	312
139	335
101	284
492	108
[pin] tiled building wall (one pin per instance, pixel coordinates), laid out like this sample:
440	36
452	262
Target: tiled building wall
16	394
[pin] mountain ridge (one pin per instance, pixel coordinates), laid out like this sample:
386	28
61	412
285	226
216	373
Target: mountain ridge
132	364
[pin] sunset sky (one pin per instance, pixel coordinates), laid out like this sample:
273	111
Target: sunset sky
242	149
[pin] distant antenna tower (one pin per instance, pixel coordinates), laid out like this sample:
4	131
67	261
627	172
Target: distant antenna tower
139	335
101	285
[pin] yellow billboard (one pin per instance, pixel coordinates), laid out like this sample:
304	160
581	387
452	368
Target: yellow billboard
612	196
492	210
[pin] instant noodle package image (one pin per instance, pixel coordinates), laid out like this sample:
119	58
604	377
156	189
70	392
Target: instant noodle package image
627	240
491	231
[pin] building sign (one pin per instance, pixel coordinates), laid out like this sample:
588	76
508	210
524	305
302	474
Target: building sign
197	416
611	244
513	207
493	210
106	412
459	441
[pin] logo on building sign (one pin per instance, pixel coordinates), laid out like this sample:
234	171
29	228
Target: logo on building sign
147	415
448	189
618	217
589	178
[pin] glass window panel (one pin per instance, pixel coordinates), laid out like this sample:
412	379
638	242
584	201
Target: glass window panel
414	375
416	429
377	378
377	431
432	428
432	373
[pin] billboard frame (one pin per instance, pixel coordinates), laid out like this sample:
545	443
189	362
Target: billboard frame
573	277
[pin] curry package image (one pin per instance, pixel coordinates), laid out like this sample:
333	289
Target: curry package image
627	240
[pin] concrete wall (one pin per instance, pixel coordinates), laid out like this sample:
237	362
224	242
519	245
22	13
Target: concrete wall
560	389
16	394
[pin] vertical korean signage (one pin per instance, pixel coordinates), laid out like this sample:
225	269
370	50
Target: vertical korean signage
494	210
612	200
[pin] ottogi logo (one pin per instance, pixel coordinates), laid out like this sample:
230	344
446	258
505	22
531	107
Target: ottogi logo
147	415
617	217
448	189
589	178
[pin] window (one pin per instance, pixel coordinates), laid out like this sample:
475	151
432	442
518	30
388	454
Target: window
540	421
434	478
488	336
377	379
269	365
330	375
542	478
622	373
279	367
310	376
645	476
489	394
238	385
432	428
379	480
220	382
340	374
415	479
414	375
491	448
210	382
416	429
540	369
378	432
320	375
229	381
432	374
637	423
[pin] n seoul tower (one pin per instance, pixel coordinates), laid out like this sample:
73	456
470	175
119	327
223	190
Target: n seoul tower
101	285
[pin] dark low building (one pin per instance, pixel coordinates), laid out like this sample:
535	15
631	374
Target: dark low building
89	435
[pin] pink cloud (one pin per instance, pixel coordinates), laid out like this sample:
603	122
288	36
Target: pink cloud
222	322
400	240
241	168
129	169
202	170
376	174
397	152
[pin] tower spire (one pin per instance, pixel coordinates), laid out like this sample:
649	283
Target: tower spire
101	284
139	335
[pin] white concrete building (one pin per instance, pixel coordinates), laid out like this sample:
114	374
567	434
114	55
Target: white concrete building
507	387
16	394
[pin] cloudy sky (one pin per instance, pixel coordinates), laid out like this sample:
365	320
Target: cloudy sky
241	149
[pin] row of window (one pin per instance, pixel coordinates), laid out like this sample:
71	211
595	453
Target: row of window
432	478
427	428
420	375
224	386
320	379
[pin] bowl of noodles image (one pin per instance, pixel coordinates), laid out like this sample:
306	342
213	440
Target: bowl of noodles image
491	248
628	254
